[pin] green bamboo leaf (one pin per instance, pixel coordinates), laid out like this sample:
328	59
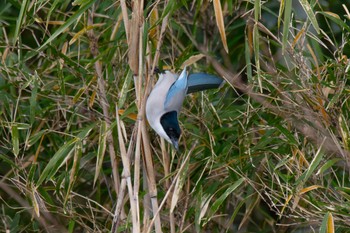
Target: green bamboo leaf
57	161
35	137
257	10
280	12
62	155
79	93
8	161
256	45
310	14
286	23
32	171
74	170
265	140
80	2
101	149
327	165
20	18
345	132
216	205
248	60
52	8
123	94
33	97
15	139
237	209
15	223
203	202
85	132
336	19
313	165
178	186
288	134
169	9
283	162
24	126
71	226
198	207
69	22
229	6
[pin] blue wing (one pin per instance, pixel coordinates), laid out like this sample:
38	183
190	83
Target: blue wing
177	93
201	81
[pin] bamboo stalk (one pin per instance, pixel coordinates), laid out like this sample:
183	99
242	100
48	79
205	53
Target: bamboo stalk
166	167
103	101
160	40
125	18
151	180
127	176
119	206
183	164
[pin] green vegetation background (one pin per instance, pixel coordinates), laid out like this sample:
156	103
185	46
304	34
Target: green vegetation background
267	152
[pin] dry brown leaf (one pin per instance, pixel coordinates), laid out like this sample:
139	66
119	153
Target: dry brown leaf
308	189
192	60
220	22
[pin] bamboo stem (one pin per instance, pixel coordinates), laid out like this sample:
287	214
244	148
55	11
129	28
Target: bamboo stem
103	101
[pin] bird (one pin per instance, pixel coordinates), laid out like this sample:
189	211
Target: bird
165	101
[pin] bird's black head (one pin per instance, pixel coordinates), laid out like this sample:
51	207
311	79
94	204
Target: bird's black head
171	127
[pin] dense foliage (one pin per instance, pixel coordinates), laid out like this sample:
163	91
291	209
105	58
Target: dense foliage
267	152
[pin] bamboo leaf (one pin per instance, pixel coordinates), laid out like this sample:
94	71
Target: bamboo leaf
35	137
223	197
70	21
287	133
203	201
15	139
57	161
35	205
256	45
327	165
178	186
248	51
286	23
191	60
327	225
336	19
330	224
313	165
20	19
220	23
33	97
345	132
79	93
310	14
280	12
310	188
286	203
74	170
9	161
101	149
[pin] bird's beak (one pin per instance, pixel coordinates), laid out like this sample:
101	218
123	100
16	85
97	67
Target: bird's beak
175	144
183	73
